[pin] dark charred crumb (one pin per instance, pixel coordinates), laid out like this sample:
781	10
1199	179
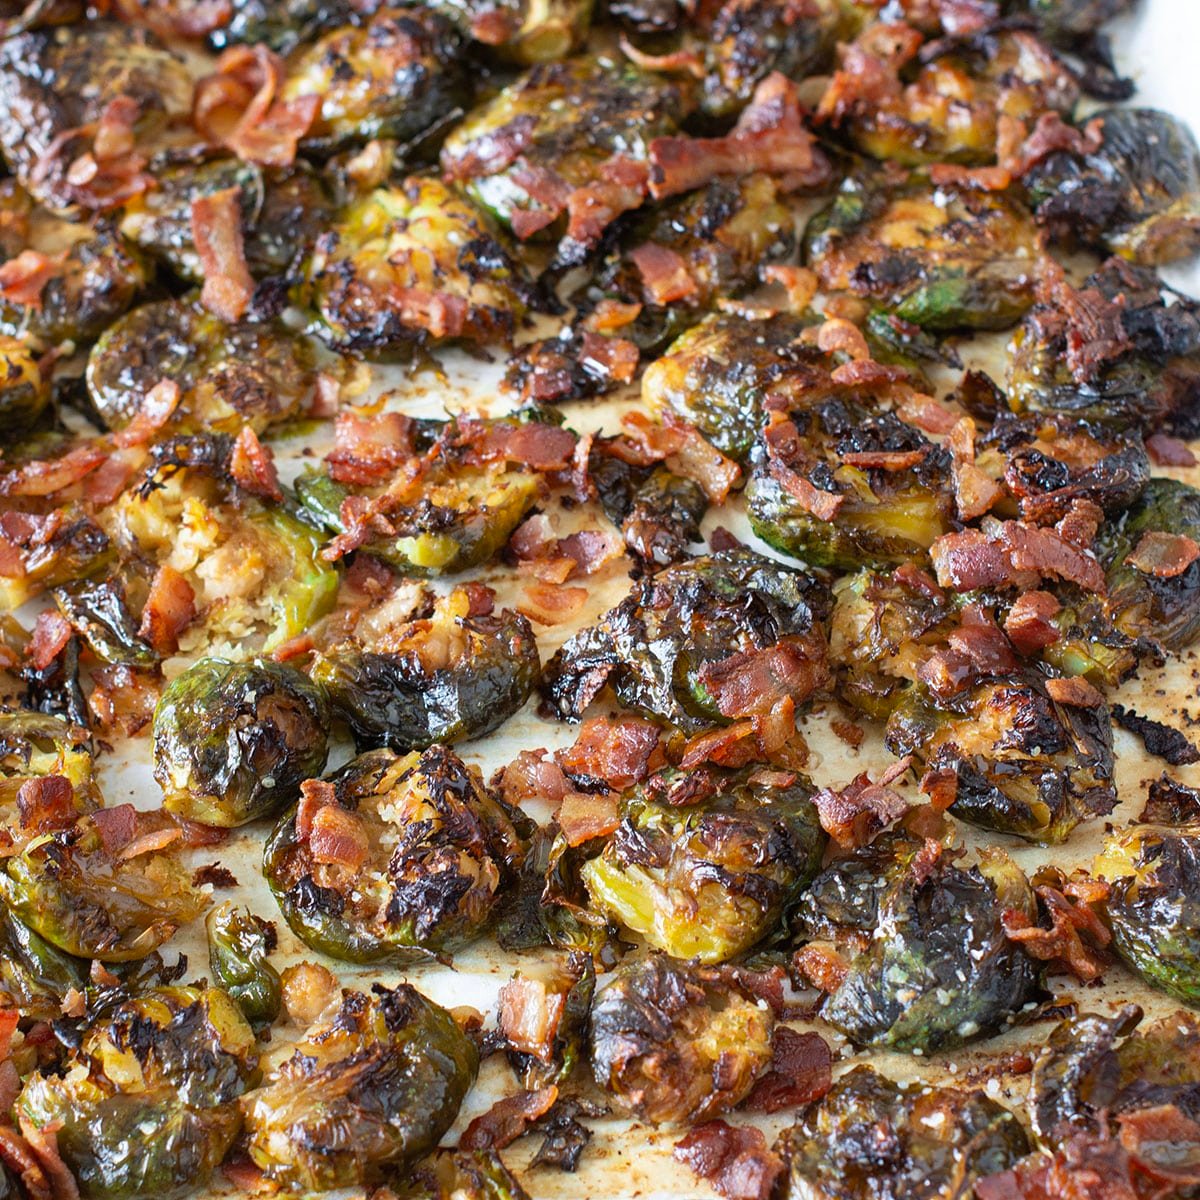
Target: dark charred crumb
1160	740
215	874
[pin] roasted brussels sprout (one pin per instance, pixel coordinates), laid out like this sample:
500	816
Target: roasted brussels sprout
1154	909
365	1095
148	1104
668	1047
238	947
1144	371
95	900
445	678
284	24
1024	763
939	257
662	649
710	878
1147	598
870	1139
228	375
233	741
396	859
522	31
683	256
283	210
99	611
663	518
24	392
54	82
34	975
960	91
938	968
35	745
1064	20
413	262
463	1175
1136	194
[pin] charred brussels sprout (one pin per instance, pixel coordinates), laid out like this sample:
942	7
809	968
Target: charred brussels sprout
69	545
53	82
1147	598
1136	194
1024	763
95	901
662	648
284	24
282	209
663	518
1064	20
35	745
1154	909
870	1139
668	1047
940	257
228	375
415	261
364	1096
234	741
24	392
34	975
397	859
148	1106
708	879
99	611
938	969
446	678
238	947
463	1175
523	31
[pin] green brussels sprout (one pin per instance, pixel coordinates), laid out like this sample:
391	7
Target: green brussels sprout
1145	374
97	902
870	1139
239	944
397	859
940	257
55	81
1025	763
938	968
1154	908
395	76
898	100
95	282
446	678
233	741
662	647
522	31
364	1096
228	375
148	1104
24	392
283	210
543	1018
284	24
463	1175
98	610
722	233
708	876
34	975
669	1047
34	745
574	116
1165	608
413	262
1137	194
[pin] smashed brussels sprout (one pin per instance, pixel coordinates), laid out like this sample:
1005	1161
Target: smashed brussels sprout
148	1104
233	741
870	1139
396	859
239	944
448	677
365	1095
670	1048
710	874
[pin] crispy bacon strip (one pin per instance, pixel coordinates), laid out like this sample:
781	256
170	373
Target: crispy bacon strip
801	1071
733	1158
583	816
665	275
170	609
252	466
1012	555
620	750
507	1120
338	837
1029	623
853	815
217	233
1163	555
155	410
22	279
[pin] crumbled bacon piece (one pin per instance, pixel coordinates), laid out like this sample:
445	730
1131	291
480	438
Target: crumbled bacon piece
1163	555
46	802
338	837
620	750
976	649
984	179
51	633
801	1071
507	1120
149	842
217	234
43	1143
1013	555
1080	523
1168	451
733	1158
23	278
927	413
529	1016
45	476
532	776
550	603
117	827
815	501
838	336
156	409
367	449
252	466
1029	623
799	282
315	794
585	815
1075	940
753	682
1074	691
853	815
170	609
1050	135
665	275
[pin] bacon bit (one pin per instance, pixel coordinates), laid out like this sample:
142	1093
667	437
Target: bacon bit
252	466
308	991
769	136
665	275
686	61
609	358
103	485
507	1120
110	173
315	794
367	449
538	446
885	460
217	234
495	151
700	461
1080	523
170	609
866	373
747	683
46	802
44	477
531	776
17	1156
732	746
236	107
1074	691
51	633
927	414
621	751
44	1145
1167	451
799	282
440	314
116	826
122	700
149	843
941	787
734	1159
817	502
984	179
917	580
243	1174
1163	1141
74	1003
529	1017
326	397
533	538
592	208
156	409
611	315
853	815
975	493
836	336
1014	555
722	539
550	604
1075	940
1091	324
1029	623
973	651
801	1071
583	816
1050	135
338	837
1163	555
23	278
848	731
